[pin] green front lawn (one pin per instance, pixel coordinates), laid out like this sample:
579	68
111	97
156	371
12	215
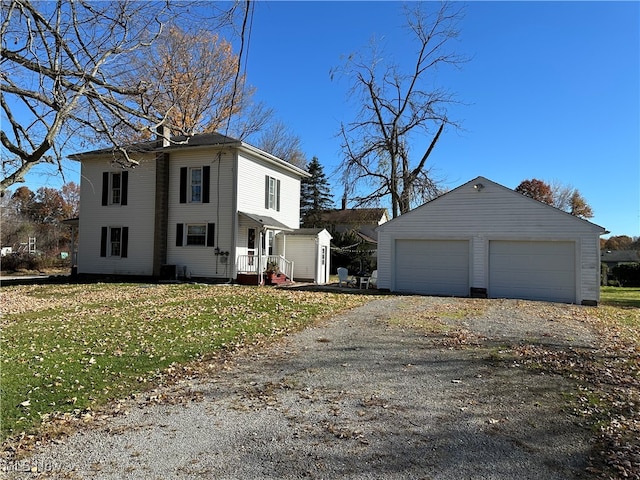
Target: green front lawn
620	296
68	348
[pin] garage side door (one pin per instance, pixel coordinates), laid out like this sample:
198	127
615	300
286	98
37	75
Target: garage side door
532	270
432	267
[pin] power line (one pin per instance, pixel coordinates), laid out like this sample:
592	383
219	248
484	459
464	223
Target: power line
248	17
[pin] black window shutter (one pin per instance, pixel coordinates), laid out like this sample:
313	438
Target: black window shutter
124	186
179	234
211	231
105	188
266	191
103	241
124	242
183	184
278	195
206	177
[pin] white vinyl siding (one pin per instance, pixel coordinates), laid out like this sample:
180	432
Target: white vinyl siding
494	213
137	215
236	183
251	191
305	250
196	261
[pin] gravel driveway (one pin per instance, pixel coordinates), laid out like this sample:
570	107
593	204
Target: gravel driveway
355	397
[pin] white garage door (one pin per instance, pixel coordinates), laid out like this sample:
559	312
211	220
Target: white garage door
432	267
532	270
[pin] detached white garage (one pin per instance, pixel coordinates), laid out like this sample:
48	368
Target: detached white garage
483	239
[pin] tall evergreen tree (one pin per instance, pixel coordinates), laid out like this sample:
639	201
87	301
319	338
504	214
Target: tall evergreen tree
315	195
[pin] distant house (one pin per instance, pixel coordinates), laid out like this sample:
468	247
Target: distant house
612	258
483	239
363	221
359	224
211	207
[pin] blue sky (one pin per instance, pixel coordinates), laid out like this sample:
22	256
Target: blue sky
552	91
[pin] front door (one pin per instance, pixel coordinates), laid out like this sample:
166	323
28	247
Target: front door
251	245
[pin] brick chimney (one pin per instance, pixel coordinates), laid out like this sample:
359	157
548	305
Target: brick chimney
163	133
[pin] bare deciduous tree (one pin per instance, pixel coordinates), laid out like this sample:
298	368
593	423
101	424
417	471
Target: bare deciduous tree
64	71
278	139
397	106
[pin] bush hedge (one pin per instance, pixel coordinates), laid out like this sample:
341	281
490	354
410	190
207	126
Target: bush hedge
627	274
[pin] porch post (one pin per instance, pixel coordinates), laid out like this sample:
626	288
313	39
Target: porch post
260	252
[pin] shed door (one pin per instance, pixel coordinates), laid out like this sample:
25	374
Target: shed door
532	270
432	267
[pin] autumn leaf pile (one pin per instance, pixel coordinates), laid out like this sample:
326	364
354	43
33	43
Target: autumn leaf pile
69	348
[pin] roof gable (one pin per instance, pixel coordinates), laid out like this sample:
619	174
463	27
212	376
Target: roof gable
481	200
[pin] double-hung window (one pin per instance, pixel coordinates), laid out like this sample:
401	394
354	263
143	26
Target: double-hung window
271	193
196	185
114	188
114	242
196	234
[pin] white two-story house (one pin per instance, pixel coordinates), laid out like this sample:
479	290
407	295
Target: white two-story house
212	207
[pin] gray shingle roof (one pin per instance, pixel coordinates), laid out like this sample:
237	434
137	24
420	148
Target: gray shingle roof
620	256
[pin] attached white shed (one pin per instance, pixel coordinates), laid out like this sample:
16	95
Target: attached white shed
483	239
308	248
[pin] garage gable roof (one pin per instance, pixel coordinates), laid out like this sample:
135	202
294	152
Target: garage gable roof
481	186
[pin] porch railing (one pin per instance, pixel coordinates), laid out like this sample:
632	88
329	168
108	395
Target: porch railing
250	264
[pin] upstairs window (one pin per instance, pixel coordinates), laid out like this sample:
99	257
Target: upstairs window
272	193
194	184
114	188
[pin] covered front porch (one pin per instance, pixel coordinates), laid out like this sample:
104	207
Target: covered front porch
261	250
264	269
265	245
